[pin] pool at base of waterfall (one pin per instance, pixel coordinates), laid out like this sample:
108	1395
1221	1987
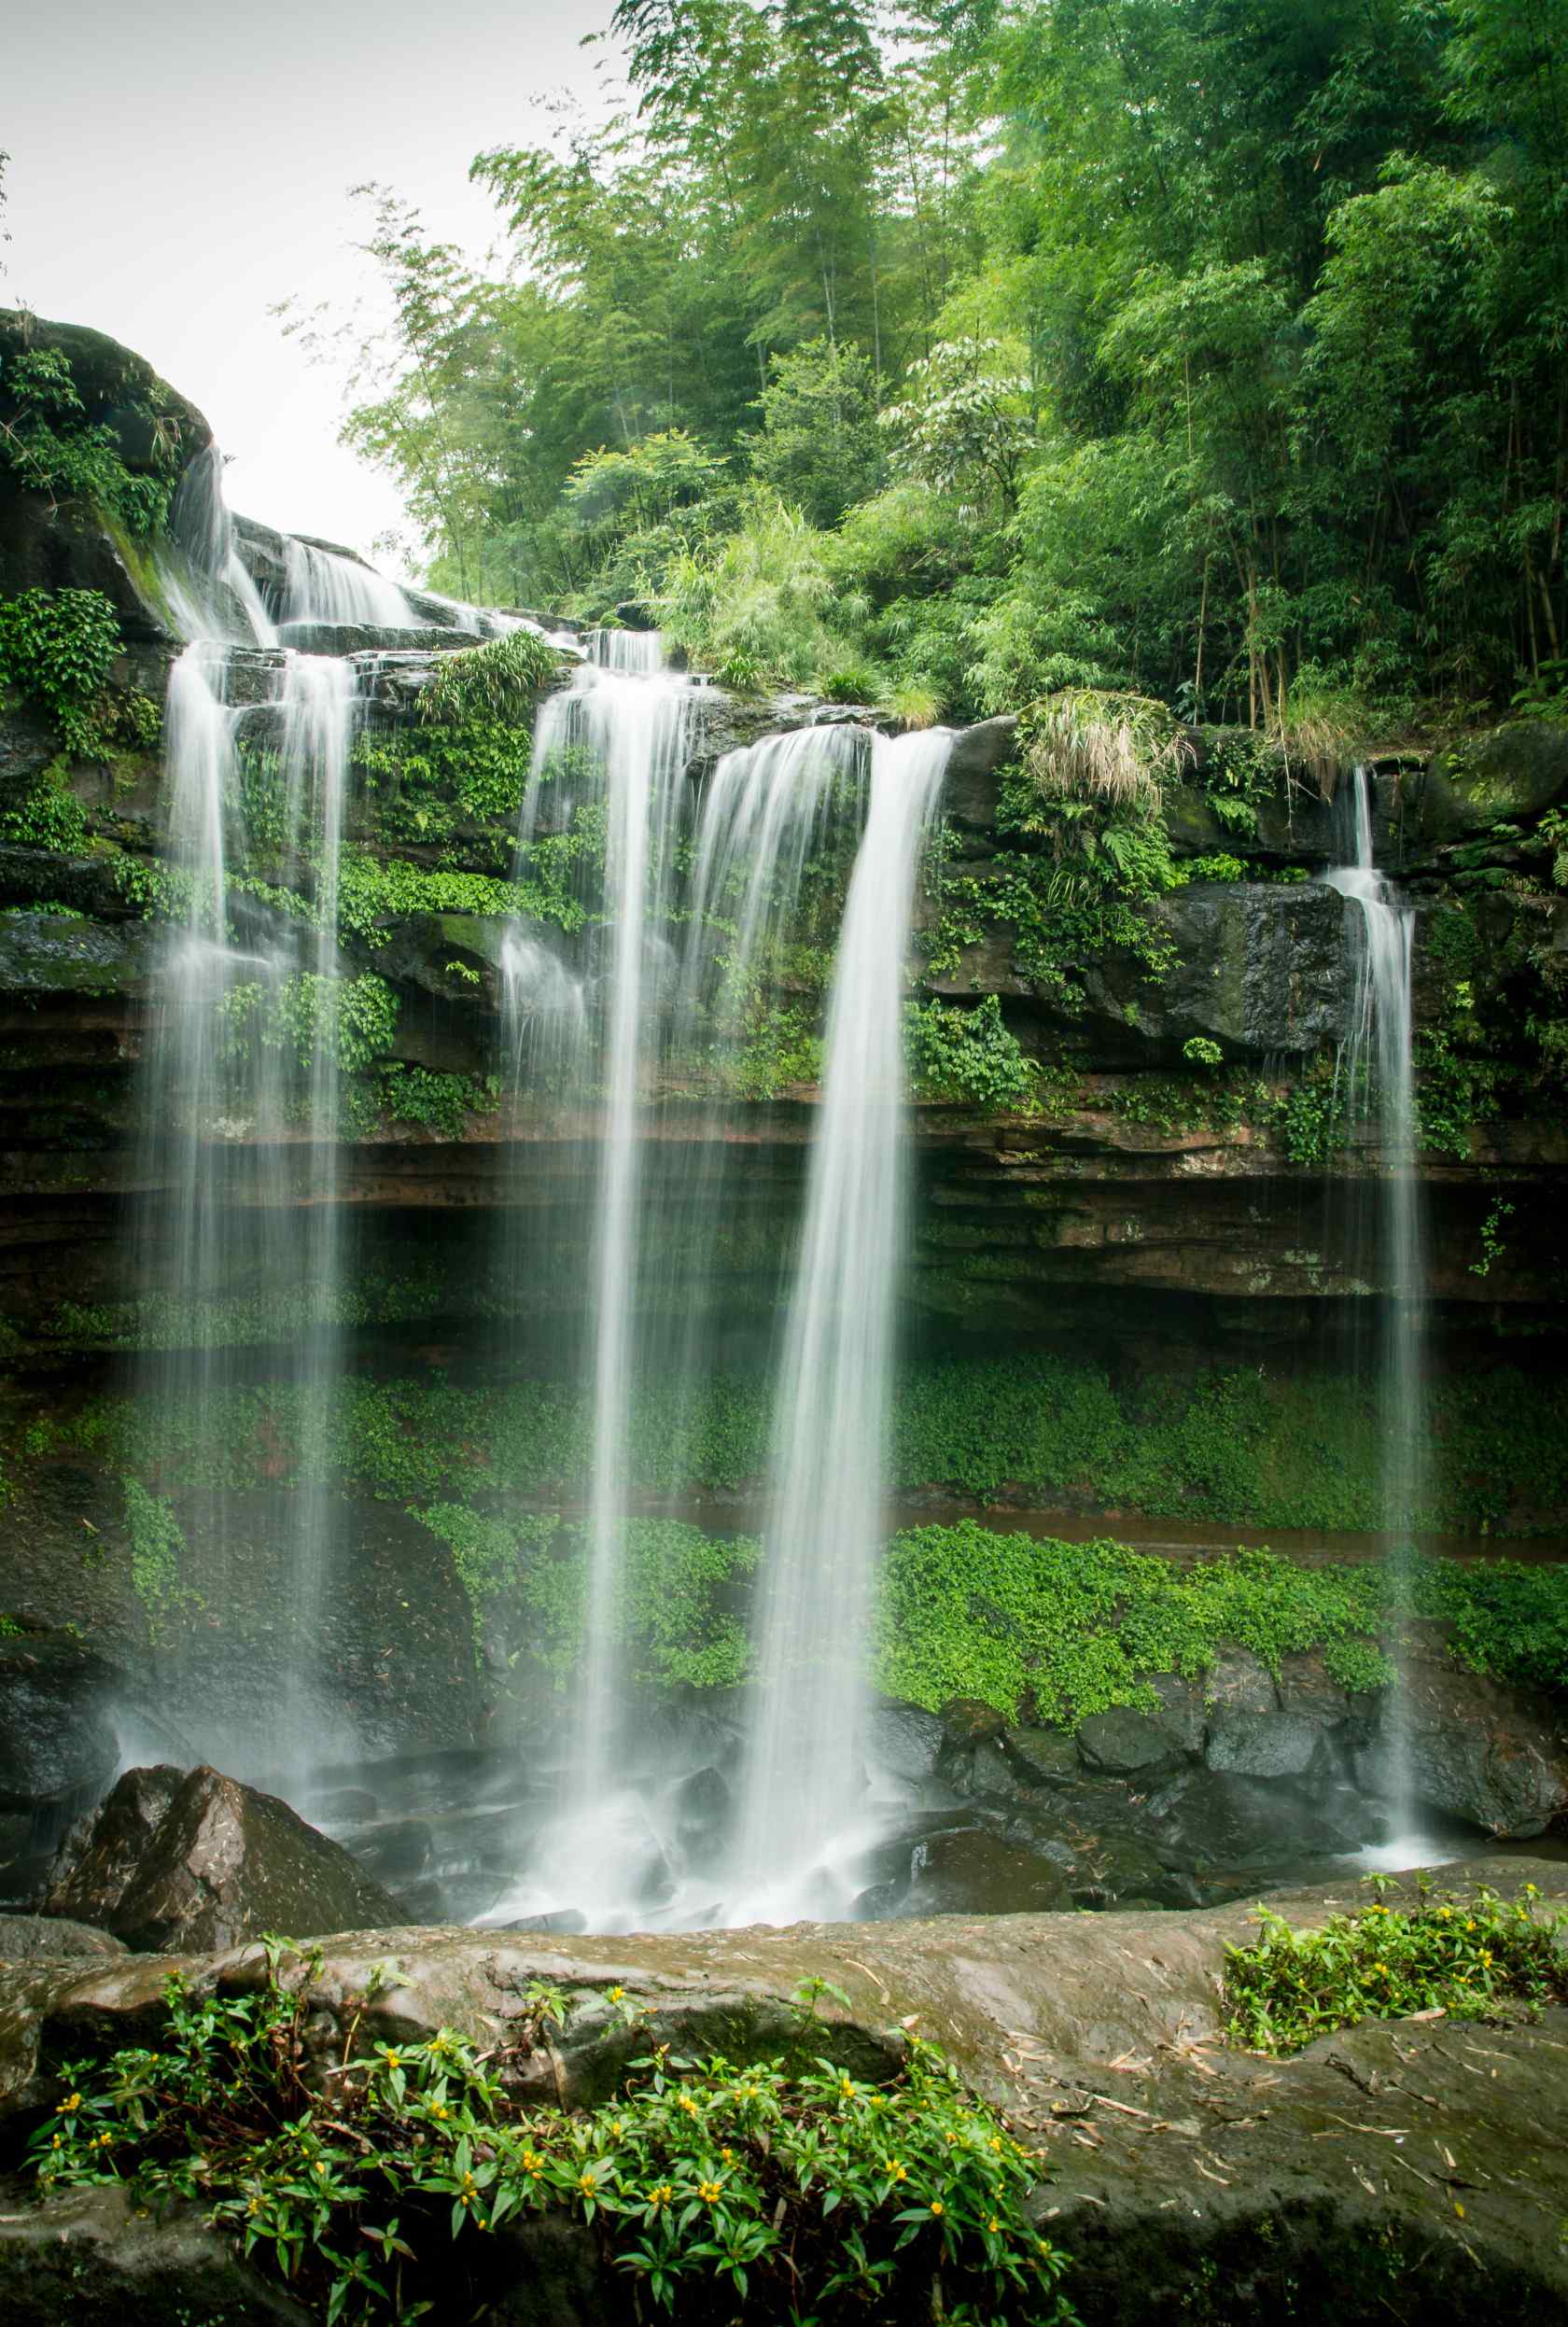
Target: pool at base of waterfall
493	1838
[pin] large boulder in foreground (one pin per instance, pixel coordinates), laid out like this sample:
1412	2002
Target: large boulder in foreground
175	1860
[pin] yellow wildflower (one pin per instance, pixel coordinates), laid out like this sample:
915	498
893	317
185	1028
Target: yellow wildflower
709	2192
1486	1956
937	2207
616	1995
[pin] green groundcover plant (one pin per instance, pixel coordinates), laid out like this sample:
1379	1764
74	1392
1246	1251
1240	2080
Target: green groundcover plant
395	2181
1476	1957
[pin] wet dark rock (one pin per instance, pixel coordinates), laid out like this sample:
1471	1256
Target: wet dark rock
1124	1744
1239	1681
87	885
102	1855
966	1721
1214	1819
1043	1757
1475	1751
1259	968
93	2258
1514	771
344	638
58	1739
905	1742
199	1860
1305	1686
1265	1745
395	1852
28	743
43	954
971	1872
991	1772
973	781
28	1938
701	1803
1182	1713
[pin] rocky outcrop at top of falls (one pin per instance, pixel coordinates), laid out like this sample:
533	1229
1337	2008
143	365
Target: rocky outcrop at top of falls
1183	2178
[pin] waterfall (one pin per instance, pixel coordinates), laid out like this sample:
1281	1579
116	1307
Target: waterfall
203	585
647	1034
632	652
241	1100
320	587
833	1400
631	722
1375	1071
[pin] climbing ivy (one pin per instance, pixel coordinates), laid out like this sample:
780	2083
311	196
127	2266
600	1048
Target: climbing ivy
57	646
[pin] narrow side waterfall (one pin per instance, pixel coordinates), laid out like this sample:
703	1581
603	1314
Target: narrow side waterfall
240	1143
1377	1070
833	1400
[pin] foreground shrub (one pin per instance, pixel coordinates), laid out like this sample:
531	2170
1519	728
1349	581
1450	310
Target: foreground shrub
1470	1958
378	2184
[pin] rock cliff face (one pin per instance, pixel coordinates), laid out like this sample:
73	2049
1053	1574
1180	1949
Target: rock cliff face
1173	1184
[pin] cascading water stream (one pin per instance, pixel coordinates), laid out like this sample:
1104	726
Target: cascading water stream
322	587
630	719
832	1401
1377	1071
763	817
241	1094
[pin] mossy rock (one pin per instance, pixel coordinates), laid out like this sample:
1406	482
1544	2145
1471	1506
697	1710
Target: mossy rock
43	953
1516	772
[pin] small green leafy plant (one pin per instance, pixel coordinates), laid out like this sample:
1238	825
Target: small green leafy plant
57	646
497	680
378	2184
1472	1958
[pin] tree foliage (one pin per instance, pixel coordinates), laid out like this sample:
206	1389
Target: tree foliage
1216	353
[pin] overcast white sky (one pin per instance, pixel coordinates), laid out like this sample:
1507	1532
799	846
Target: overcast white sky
179	165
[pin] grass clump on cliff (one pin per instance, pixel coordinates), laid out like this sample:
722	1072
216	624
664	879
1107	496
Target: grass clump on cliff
1472	1958
403	2182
